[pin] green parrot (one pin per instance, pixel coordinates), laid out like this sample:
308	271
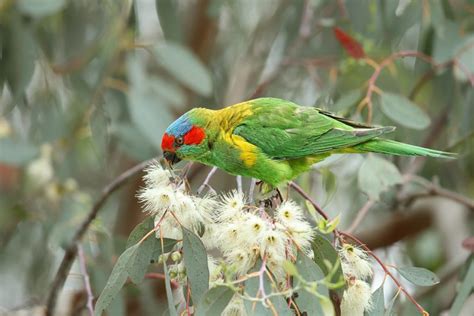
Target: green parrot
274	140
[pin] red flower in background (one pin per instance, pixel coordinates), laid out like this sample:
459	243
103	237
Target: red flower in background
351	46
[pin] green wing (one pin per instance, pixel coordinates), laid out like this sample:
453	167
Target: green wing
284	130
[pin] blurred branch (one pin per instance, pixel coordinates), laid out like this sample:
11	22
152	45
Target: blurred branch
309	199
71	250
436	190
361	215
87	283
372	87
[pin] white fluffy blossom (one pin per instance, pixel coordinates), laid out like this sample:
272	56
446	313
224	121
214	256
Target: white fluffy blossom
289	212
231	206
355	262
156	176
356	299
157	199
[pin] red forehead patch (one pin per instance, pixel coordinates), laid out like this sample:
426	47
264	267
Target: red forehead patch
167	142
194	136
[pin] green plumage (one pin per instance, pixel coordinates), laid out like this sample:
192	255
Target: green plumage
275	140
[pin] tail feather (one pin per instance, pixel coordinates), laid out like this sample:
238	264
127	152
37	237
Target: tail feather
391	147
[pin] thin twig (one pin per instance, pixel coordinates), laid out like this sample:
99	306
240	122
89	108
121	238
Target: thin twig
434	189
161	276
87	283
71	250
308	198
253	182
206	181
239	184
361	215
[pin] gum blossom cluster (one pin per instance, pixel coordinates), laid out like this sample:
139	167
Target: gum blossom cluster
243	234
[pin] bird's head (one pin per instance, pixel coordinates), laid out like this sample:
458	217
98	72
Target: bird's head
185	138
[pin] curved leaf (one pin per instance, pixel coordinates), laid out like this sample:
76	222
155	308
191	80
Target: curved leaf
419	276
195	260
185	67
116	280
403	111
214	301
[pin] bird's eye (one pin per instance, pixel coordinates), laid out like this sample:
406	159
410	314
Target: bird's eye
179	141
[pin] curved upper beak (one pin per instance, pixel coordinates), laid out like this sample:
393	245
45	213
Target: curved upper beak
171	157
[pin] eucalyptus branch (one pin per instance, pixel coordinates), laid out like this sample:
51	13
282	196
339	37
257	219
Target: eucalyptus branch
206	181
371	84
386	270
71	250
308	198
436	190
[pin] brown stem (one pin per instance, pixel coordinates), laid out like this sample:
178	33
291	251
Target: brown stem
71	250
308	198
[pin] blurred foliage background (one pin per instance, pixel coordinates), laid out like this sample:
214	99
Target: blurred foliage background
88	88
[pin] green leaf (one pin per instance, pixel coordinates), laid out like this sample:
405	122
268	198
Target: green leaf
184	66
98	125
376	175
19	55
310	272
41	8
325	252
419	276
140	231
466	288
169	294
378	303
16	153
214	301
329	184
403	111
195	260
116	280
141	259
388	311
252	289
347	100
168	16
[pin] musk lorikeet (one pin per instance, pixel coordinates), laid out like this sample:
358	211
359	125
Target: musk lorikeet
274	140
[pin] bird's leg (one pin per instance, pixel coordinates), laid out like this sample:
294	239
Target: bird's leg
278	195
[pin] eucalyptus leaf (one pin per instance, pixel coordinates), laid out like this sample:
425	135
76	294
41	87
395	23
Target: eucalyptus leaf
403	111
376	175
252	286
184	66
465	289
169	293
18	56
98	125
378	303
325	252
116	280
310	272
40	8
16	153
419	276
195	260
168	16
214	301
348	99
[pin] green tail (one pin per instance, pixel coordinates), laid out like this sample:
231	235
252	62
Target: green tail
391	147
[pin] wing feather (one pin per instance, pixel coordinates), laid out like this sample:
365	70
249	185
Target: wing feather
284	130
